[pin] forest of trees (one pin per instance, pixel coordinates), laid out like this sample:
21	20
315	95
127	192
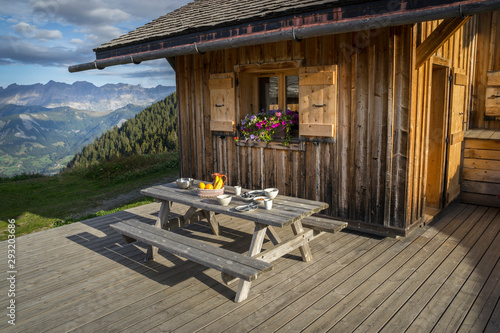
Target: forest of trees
152	131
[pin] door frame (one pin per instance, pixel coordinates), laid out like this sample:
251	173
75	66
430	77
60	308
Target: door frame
438	195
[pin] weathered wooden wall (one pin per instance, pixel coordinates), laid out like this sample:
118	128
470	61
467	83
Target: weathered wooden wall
457	54
487	60
373	173
362	174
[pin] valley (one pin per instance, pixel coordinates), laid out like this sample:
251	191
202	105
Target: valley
43	139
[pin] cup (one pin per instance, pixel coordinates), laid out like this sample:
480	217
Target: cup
237	190
268	204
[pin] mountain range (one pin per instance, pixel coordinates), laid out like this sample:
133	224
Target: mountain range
82	95
41	128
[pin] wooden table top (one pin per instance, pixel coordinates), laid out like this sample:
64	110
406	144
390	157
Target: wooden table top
285	211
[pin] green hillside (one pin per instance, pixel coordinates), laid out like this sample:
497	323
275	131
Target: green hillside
103	177
40	202
34	139
152	131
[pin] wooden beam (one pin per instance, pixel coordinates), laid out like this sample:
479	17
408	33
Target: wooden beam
438	37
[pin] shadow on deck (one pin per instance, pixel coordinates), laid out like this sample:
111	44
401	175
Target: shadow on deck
83	277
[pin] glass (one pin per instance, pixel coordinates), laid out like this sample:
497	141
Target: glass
268	93
292	92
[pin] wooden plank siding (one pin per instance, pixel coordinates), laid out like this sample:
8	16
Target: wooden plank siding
373	171
481	169
457	54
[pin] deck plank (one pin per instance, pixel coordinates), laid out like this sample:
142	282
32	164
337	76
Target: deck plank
466	236
415	273
463	300
83	277
448	297
483	306
271	294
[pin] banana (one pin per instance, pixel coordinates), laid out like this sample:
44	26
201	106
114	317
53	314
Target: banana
218	182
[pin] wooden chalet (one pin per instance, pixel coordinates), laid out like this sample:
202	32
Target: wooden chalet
398	100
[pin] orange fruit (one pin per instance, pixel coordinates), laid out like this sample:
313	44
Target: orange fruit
202	185
209	187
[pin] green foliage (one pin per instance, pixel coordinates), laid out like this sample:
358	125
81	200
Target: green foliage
120	169
152	131
20	177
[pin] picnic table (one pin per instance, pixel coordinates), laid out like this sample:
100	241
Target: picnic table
286	212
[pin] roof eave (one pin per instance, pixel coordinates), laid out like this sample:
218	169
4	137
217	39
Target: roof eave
319	23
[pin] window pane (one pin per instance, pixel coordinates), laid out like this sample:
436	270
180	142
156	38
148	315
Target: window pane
292	92
268	93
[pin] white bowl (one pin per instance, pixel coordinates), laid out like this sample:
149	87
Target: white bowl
259	200
271	192
224	199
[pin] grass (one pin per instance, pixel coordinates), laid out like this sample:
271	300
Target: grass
38	202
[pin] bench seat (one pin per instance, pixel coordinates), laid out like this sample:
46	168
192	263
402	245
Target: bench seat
323	224
235	264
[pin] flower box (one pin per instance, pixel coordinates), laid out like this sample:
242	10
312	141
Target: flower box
270	125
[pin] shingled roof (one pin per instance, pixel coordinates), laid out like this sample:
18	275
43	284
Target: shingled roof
208	25
202	15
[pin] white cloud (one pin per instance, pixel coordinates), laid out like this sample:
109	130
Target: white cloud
30	31
48	34
77	41
17	50
92	12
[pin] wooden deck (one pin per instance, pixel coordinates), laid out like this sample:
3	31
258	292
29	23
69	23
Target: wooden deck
83	277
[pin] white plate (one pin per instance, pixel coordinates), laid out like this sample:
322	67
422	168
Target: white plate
246	208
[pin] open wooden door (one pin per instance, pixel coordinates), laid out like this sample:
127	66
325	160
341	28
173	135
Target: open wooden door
437	132
455	134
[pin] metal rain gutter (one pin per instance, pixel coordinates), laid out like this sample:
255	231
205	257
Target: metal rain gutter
462	9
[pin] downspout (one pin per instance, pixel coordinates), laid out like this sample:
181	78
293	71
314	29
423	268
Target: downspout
369	22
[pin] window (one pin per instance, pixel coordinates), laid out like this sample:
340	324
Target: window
271	86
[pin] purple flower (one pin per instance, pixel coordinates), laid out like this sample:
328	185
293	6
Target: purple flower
252	137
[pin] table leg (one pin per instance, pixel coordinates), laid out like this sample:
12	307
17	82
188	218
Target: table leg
255	248
188	214
305	250
212	220
160	223
273	235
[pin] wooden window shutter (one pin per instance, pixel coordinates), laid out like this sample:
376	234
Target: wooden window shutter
222	102
492	101
317	101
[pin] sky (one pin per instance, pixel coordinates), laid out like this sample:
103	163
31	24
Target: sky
39	39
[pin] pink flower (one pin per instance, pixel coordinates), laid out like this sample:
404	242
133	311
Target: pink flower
278	114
